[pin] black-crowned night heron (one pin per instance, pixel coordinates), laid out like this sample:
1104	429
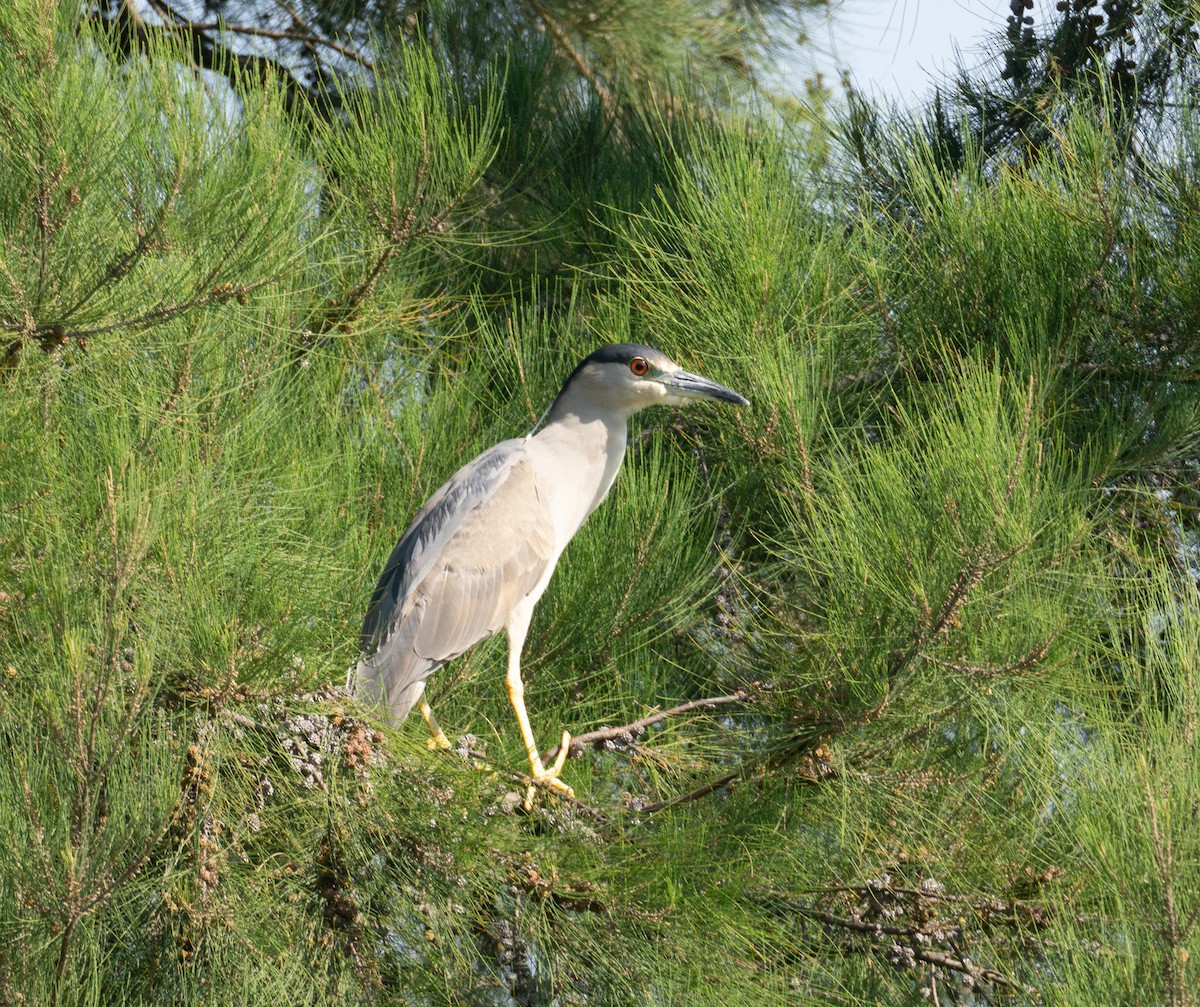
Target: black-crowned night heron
479	554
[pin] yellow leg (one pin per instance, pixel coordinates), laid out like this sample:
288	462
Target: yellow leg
541	775
437	738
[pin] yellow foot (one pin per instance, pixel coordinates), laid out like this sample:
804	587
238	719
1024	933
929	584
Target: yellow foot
437	737
543	777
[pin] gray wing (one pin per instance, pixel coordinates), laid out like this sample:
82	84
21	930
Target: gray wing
480	545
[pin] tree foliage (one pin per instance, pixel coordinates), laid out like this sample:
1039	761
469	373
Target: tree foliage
885	688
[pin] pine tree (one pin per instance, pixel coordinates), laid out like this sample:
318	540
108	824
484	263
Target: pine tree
885	689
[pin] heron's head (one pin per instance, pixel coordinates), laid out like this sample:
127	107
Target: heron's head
628	377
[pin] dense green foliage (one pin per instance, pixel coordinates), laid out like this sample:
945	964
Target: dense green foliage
939	580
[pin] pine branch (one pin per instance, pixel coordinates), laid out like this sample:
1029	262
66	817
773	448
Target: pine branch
914	937
120	266
164	312
1033	657
1164	860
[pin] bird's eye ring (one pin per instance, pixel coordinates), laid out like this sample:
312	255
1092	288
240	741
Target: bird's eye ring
639	366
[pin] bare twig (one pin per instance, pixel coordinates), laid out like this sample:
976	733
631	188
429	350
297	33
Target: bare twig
631	731
307	36
133	35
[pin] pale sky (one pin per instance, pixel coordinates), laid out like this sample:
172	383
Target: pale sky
895	47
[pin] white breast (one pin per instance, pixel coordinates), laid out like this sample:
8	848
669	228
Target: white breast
576	462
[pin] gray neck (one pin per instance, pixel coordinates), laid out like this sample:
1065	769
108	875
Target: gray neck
587	396
581	445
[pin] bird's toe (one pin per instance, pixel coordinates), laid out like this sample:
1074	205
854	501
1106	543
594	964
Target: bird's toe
564	749
549	781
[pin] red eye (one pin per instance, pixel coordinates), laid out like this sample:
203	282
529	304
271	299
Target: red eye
639	366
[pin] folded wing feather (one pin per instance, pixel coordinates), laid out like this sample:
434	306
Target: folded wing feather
480	545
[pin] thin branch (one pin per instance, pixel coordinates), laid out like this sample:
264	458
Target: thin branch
1162	857
947	961
48	182
120	266
1127	372
574	900
133	35
355	55
162	313
1015	910
928	955
606	96
28	326
397	232
39	833
309	38
980	561
628	733
645	539
1030	659
864	378
969	577
1022	443
135	864
692	795
1190	922
64	953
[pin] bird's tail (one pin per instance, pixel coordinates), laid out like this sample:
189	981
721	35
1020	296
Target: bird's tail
369	682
